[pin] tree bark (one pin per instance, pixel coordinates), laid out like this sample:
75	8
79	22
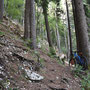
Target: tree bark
58	39
75	23
81	29
68	21
47	29
26	20
66	44
32	24
1	9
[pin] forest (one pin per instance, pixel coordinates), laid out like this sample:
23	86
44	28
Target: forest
44	44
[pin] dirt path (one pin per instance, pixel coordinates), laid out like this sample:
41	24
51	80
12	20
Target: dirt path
12	70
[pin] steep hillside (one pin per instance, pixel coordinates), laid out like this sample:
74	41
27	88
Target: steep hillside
24	69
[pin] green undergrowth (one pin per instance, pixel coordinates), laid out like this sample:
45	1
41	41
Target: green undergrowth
37	54
2	33
0	22
84	77
13	89
27	44
51	53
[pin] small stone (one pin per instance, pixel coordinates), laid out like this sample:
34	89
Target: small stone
57	78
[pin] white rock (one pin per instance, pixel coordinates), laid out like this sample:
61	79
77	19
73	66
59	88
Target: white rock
10	53
57	78
1	68
33	76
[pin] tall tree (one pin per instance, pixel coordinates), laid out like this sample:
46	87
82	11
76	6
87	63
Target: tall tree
1	9
32	24
69	29
58	39
45	7
26	20
81	28
57	21
75	22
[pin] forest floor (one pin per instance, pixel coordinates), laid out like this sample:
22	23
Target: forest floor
16	57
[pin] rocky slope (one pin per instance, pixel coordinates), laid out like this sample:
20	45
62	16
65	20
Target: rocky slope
20	69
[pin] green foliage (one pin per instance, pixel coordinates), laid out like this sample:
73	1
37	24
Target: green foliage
14	9
77	70
42	61
87	7
56	1
38	2
2	33
88	1
36	53
44	4
64	50
27	44
86	82
12	89
85	77
52	51
87	10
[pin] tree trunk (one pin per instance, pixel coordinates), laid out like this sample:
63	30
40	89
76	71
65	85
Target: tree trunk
58	39
47	29
81	29
75	23
32	24
66	44
68	21
38	23
26	20
1	9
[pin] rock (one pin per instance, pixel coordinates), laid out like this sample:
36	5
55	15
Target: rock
1	67
57	78
33	76
27	65
2	73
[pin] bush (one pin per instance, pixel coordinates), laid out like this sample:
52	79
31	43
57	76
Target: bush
85	77
52	51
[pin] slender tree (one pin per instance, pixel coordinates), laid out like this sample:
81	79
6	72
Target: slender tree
32	24
26	20
81	28
58	39
68	21
57	21
45	6
1	9
75	22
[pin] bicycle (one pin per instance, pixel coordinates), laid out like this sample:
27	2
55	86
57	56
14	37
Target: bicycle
78	58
